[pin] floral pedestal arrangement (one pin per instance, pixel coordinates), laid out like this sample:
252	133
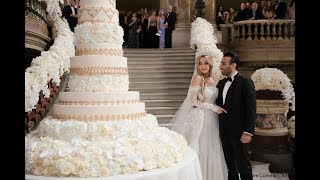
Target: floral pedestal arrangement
274	94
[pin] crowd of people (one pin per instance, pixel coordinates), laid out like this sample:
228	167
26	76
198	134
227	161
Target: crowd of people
276	9
144	29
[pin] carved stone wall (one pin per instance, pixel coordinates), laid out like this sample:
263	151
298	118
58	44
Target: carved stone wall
36	33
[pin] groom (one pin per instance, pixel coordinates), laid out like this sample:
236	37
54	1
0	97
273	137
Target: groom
238	97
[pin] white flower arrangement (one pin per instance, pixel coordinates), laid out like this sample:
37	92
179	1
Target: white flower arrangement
204	40
292	126
101	148
51	64
275	80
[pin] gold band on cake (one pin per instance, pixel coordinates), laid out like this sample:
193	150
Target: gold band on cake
105	102
98	70
98	14
99	51
272	106
100	117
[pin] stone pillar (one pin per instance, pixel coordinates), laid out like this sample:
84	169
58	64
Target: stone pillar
210	11
181	35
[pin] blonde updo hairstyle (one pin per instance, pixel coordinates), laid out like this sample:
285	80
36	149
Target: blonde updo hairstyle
202	96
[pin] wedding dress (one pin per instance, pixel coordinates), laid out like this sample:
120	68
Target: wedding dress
200	127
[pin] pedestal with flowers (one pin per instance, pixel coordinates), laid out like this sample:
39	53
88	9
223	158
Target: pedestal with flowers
275	95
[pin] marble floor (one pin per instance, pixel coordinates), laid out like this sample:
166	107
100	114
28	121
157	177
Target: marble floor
261	172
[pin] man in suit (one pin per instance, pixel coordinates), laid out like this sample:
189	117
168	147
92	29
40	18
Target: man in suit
242	13
170	24
254	12
238	97
281	9
70	13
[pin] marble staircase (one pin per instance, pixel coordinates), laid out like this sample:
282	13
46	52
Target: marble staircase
162	76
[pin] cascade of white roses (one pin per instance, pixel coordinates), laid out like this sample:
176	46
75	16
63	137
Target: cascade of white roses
204	40
51	64
275	80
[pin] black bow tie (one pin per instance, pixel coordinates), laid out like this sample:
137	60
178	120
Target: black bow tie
229	79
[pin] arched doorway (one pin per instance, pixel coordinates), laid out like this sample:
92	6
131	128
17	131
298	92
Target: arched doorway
135	5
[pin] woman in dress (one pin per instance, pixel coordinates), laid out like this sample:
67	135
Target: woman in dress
134	31
153	29
197	120
161	28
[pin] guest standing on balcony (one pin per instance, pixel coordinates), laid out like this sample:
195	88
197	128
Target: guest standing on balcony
220	17
291	11
170	23
70	13
162	29
242	13
153	30
134	32
280	8
254	13
268	12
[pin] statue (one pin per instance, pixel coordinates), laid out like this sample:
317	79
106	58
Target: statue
200	4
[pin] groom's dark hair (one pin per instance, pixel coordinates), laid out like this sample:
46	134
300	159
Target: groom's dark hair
234	57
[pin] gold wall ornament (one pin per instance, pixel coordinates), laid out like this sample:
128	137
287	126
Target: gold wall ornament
98	70
99	51
110	15
100	117
97	102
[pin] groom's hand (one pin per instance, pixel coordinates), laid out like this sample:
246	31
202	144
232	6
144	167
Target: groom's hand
245	138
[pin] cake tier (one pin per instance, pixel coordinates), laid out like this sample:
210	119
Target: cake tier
98	65
96	98
98	14
97	61
98	33
101	49
101	148
113	82
99	112
98	3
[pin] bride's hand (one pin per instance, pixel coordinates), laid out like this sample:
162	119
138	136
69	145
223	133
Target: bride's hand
218	110
210	81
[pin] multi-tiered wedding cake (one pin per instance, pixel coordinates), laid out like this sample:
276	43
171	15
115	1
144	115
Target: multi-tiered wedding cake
99	128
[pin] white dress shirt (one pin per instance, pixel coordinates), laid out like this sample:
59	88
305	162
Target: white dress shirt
72	9
225	90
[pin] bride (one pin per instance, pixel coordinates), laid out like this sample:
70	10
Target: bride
197	120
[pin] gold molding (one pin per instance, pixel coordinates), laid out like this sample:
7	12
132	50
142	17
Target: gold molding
100	117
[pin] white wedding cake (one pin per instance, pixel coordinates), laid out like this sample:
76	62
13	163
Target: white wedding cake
99	128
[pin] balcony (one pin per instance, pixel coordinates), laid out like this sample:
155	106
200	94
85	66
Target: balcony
262	43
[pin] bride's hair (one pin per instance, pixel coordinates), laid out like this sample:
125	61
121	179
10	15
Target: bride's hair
202	96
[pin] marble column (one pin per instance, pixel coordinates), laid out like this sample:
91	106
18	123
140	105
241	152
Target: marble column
181	35
210	10
183	11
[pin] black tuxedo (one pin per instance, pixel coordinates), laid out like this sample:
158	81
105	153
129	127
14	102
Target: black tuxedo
281	10
240	104
258	14
72	21
171	20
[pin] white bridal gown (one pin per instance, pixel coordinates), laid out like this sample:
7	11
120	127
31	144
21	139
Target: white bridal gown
200	127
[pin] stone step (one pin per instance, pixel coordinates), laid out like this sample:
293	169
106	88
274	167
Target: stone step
163	89
134	79
161	74
162	110
159	70
159	85
164	120
158	51
162	103
158	75
161	96
155	54
181	60
163	66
